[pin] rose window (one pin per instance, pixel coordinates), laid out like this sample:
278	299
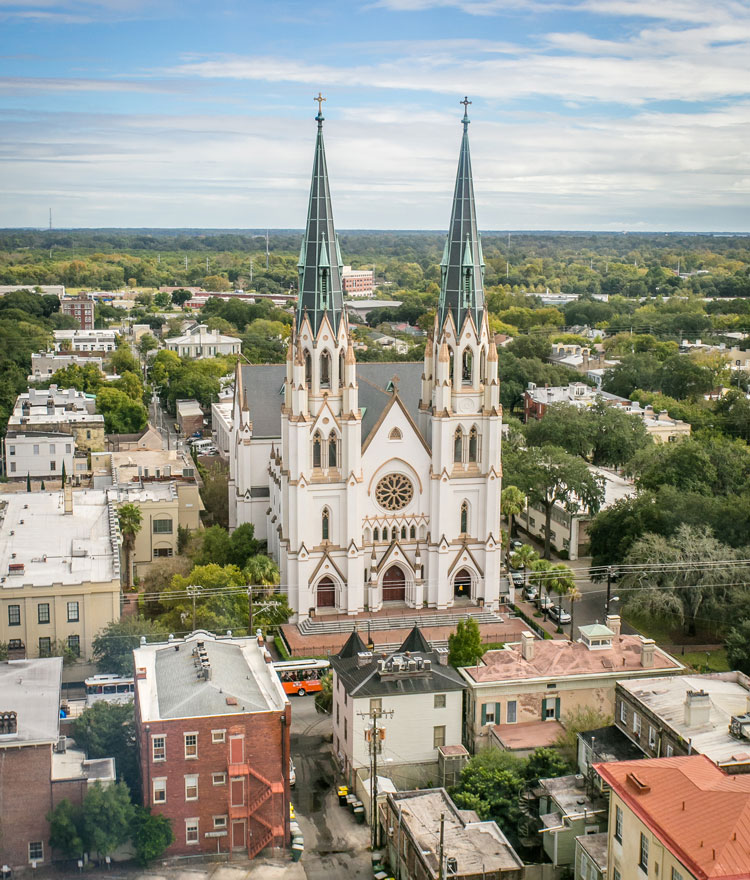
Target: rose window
394	492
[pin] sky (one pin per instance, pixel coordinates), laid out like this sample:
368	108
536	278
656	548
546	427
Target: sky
586	114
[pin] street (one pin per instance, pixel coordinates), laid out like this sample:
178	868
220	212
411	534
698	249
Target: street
163	422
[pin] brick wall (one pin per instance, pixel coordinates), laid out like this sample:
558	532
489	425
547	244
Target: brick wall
25	800
254	796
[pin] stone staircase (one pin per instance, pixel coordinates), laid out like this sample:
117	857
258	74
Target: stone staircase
320	626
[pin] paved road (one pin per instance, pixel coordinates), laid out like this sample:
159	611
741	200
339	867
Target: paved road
336	848
163	422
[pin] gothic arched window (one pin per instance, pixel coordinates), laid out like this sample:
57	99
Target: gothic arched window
467	362
317	450
308	369
458	445
326	524
465	518
324	289
451	362
473	443
325	370
333	457
413	533
376	534
341	370
394	534
403	533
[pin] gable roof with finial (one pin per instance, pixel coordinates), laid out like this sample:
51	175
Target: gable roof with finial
462	266
320	265
353	646
415	642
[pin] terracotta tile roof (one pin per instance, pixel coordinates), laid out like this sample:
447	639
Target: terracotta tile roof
701	814
528	734
558	658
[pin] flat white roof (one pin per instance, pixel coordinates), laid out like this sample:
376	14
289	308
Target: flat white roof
56	548
240	679
31	689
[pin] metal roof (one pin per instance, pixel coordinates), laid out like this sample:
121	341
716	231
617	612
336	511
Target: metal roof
462	266
320	264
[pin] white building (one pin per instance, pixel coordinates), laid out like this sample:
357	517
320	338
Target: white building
569	524
377	482
45	363
85	340
59	410
424	694
221	425
200	342
40	454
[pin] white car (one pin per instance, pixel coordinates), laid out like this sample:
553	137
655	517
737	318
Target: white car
292	774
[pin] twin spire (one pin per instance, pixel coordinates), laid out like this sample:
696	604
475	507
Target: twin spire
320	265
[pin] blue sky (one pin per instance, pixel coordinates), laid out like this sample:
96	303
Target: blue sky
586	114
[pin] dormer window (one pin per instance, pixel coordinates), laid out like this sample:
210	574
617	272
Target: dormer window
597	637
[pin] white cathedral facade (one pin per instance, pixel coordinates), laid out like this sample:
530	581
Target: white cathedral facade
376	483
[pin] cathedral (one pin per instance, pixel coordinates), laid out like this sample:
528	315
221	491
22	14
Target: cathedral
376	483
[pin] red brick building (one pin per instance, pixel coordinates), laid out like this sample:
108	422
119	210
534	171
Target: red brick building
81	308
38	768
213	725
357	282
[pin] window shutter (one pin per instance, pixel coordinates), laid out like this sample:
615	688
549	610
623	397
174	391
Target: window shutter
557	708
497	713
484	714
544	708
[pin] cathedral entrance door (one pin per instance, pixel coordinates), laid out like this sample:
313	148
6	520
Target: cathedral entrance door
326	594
462	584
394	585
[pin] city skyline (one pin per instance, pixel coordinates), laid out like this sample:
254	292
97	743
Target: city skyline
600	115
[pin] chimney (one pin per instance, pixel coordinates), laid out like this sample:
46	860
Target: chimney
586	355
364	658
68	499
648	646
527	646
613	622
697	708
442	654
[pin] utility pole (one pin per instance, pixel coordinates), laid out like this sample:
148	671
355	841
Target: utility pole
609	588
375	735
193	591
252	607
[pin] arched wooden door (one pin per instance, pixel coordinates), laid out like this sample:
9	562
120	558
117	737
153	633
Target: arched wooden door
462	583
394	585
326	594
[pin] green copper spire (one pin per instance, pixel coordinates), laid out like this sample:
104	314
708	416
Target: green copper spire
320	265
462	266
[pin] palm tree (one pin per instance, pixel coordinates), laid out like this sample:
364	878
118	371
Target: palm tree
574	595
524	557
552	577
512	502
130	519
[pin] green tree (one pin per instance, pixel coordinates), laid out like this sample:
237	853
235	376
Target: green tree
490	784
243	545
113	646
221	602
512	502
545	763
563	425
181	296
524	557
552	577
549	475
107	817
107	730
130	520
65	829
151	834
215	547
616	436
581	719
130	384
674	582
738	646
465	644
122	415
122	361
324	699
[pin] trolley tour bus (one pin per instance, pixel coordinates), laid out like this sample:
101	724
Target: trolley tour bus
301	676
111	688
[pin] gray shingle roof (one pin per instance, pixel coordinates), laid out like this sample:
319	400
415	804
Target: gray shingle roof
263	384
366	681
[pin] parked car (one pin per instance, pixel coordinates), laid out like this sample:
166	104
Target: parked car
515	544
558	614
292	774
544	602
516	576
530	593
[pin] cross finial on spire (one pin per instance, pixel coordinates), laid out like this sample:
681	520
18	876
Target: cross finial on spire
466	103
319	118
